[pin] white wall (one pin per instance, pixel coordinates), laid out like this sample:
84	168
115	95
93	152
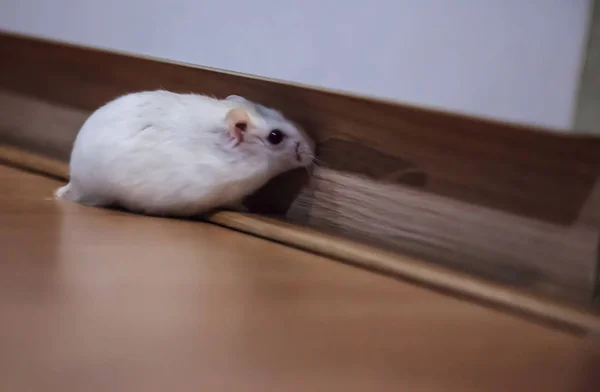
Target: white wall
517	60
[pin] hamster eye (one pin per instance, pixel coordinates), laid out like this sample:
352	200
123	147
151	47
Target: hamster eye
275	137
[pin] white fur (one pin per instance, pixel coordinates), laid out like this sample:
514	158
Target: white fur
162	153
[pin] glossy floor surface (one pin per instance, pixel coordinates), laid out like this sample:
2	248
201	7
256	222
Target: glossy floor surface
96	300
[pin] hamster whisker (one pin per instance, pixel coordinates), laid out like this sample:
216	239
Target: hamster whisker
320	161
308	172
309	154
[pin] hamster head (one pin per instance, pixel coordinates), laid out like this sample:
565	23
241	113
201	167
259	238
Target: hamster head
286	143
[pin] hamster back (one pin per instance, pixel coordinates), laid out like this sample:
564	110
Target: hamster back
163	153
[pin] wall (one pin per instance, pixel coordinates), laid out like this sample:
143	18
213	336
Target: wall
509	59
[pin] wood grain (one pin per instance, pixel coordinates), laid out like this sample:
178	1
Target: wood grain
555	260
101	300
520	302
539	256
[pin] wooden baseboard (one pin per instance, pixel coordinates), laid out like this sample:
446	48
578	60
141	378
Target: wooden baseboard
537	181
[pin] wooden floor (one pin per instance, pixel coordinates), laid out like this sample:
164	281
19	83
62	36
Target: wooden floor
95	300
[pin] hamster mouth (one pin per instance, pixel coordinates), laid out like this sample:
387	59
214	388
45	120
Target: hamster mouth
297	151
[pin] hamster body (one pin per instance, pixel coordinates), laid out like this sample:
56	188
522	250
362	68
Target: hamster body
163	153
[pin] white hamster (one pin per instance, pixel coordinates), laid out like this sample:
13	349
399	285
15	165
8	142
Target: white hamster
169	154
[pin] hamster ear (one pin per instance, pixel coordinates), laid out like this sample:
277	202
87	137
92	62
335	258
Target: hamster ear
238	122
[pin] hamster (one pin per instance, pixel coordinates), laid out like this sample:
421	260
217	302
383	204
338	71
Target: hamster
181	155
